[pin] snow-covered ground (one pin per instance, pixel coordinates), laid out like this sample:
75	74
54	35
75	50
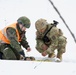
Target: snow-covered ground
36	68
11	10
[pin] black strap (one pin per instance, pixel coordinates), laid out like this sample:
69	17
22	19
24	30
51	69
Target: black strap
48	30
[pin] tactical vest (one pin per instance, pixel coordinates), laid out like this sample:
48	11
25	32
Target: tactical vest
3	34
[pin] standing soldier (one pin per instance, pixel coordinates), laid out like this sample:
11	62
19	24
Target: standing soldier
12	38
49	38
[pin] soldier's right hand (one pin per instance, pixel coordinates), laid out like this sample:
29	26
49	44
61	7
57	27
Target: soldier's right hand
44	47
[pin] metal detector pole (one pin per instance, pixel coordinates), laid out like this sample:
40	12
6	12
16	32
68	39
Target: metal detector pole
63	20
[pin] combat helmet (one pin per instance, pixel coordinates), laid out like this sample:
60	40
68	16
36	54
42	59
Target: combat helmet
40	24
24	21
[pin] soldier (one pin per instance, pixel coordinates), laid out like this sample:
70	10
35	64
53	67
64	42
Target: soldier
12	38
49	38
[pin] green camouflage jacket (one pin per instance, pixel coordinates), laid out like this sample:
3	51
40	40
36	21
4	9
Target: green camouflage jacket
55	36
11	33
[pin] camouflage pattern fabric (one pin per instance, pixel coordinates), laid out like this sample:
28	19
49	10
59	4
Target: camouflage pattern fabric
58	41
12	36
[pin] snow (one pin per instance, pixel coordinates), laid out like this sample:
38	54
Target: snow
36	68
11	10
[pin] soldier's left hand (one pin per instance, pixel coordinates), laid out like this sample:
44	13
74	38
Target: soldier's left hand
44	53
28	49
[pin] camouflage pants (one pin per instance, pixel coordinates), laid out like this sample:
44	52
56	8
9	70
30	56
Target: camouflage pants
8	53
1	55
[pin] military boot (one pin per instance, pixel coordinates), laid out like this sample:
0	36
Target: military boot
29	58
52	55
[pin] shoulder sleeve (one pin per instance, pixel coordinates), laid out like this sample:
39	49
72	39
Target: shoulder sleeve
12	36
